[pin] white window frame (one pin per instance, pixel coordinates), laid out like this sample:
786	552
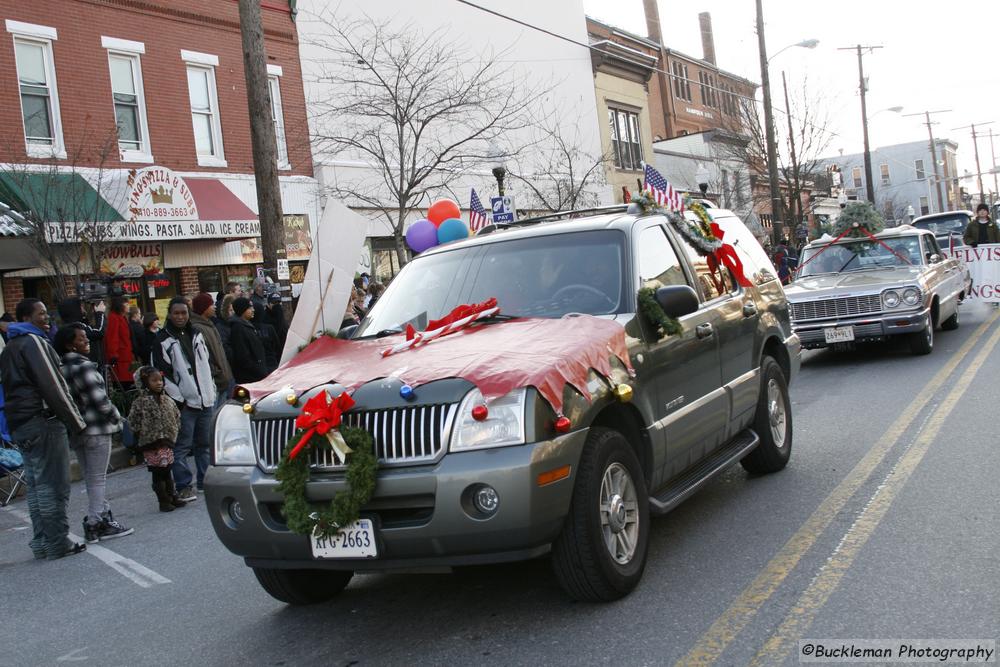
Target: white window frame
42	36
884	175
856	177
918	166
274	73
925	206
207	62
123	48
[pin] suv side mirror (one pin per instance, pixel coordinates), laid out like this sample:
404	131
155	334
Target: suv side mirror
345	333
677	300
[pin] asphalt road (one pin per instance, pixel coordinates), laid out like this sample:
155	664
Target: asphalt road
883	526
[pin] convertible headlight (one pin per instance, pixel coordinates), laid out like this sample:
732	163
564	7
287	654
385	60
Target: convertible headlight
890	298
911	296
501	423
233	440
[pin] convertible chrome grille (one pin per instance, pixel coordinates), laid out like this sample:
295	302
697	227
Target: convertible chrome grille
850	306
403	436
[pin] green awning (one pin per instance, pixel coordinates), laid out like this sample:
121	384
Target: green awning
50	196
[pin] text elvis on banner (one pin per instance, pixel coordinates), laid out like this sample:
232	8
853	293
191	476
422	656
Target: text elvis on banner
984	266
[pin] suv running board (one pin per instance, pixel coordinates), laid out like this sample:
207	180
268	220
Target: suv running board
695	478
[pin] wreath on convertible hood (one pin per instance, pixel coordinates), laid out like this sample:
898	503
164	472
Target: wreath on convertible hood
319	426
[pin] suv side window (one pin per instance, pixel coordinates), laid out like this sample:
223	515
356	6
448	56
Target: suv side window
658	264
712	284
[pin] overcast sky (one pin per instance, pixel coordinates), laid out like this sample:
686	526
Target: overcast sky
932	60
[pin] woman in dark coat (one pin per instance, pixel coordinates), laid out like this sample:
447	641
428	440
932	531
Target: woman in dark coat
150	325
249	360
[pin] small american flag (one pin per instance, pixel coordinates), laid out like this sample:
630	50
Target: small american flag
477	214
662	191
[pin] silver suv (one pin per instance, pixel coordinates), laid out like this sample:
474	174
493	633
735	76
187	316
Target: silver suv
699	401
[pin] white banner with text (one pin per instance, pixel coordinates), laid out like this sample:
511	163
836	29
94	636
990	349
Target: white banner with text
983	262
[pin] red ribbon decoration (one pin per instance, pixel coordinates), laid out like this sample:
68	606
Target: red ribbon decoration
726	256
458	313
320	415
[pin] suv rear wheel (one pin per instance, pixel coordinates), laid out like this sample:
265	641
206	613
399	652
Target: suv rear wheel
772	422
601	552
299	587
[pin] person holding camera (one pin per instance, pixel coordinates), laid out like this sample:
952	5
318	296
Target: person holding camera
72	311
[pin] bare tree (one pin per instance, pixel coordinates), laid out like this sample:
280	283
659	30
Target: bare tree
411	107
69	207
558	173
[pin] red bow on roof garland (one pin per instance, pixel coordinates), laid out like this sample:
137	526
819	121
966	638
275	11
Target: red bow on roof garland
726	256
321	416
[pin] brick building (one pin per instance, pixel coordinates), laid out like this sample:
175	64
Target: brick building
134	128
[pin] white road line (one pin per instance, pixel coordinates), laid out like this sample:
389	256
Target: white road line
128	568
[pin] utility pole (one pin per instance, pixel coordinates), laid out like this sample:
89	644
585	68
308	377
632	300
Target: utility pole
263	144
863	88
930	134
772	150
975	148
993	166
794	201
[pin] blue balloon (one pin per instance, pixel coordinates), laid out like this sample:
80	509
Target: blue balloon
452	229
421	235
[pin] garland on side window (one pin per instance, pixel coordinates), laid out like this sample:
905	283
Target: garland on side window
654	314
319	426
699	234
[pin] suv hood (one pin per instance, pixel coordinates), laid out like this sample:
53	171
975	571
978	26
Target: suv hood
851	283
498	358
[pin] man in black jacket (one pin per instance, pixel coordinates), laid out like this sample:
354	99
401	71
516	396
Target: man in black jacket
39	410
249	359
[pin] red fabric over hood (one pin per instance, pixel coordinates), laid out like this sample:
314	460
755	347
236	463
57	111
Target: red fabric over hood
497	358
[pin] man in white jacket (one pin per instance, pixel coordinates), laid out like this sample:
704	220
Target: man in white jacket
184	358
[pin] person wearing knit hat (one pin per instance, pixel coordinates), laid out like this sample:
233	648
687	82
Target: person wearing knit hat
982	229
249	363
203	306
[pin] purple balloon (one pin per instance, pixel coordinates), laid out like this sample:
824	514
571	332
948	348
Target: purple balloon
421	235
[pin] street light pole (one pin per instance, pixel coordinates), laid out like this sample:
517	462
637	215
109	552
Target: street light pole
772	151
869	182
975	148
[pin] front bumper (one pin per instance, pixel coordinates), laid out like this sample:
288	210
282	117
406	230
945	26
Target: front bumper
866	329
420	513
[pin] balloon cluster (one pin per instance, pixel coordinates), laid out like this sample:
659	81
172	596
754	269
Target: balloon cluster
441	225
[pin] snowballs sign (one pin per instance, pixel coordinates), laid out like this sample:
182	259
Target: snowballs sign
157	194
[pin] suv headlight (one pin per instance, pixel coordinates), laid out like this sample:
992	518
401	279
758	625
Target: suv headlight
503	425
911	296
890	298
233	439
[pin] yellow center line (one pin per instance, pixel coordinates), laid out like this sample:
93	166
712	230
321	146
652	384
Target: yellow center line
804	612
732	621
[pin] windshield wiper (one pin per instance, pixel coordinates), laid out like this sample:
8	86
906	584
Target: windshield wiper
852	258
381	334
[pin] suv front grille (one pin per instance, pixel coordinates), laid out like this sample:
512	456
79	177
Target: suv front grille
849	306
403	436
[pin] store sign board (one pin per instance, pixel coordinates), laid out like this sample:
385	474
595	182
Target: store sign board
157	193
298	240
151	231
131	259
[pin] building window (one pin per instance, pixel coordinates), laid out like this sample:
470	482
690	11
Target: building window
205	108
856	176
884	171
918	166
708	94
36	77
273	72
626	142
682	87
924	207
129	99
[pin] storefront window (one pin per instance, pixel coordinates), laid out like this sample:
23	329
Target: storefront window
241	274
385	261
210	280
161	288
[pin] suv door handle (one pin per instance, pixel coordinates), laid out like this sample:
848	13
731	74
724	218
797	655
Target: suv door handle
749	309
704	330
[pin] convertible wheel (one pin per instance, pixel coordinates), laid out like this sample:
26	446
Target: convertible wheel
601	552
299	587
772	422
922	342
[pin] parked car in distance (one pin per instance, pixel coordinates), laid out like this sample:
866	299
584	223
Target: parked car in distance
860	289
947	227
700	400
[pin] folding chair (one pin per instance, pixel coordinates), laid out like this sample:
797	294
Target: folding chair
11	472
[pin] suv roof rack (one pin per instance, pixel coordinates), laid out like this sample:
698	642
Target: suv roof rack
559	215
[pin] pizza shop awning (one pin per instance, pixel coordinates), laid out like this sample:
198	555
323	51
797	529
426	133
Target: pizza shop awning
55	197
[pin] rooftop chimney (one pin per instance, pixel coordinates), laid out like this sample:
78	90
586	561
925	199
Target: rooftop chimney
652	20
707	40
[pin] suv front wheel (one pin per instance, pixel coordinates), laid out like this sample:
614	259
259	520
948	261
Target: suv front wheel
601	552
298	587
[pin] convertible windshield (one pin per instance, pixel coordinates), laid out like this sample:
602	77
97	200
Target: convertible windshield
860	255
548	276
945	224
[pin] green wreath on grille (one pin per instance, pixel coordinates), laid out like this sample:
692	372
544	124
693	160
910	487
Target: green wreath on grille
345	508
654	314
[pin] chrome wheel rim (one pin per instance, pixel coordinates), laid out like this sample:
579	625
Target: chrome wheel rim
619	513
930	333
776	413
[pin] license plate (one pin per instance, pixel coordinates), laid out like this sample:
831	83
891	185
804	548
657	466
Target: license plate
354	541
839	334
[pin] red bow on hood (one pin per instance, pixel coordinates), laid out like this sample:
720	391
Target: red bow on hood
458	313
320	415
726	256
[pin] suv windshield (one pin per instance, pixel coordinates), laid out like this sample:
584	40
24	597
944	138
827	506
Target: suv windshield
540	276
945	224
860	255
